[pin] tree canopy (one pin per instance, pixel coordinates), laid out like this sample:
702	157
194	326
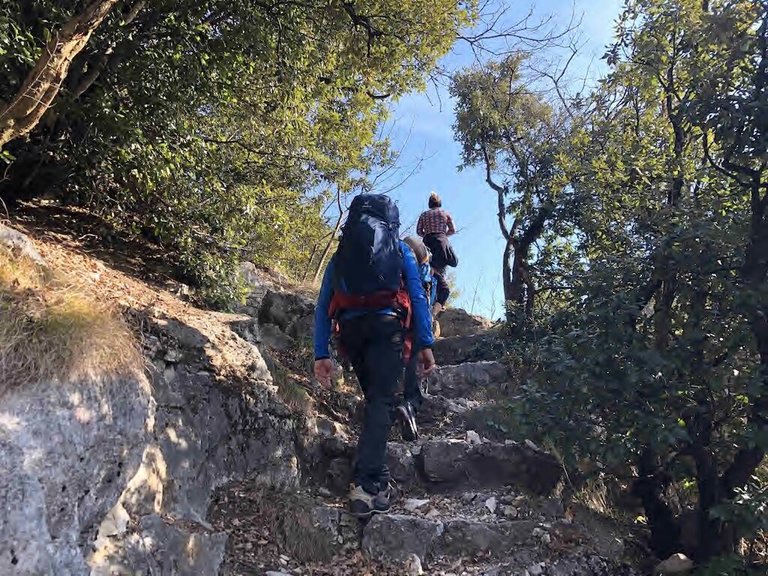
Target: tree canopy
216	129
653	364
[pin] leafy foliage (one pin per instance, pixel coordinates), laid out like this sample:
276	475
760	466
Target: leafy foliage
518	138
217	129
652	367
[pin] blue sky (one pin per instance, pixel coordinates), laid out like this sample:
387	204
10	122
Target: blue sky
422	128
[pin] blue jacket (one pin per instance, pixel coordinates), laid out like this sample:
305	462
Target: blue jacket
421	317
425	271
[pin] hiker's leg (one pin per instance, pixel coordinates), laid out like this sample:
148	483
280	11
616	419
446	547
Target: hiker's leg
443	290
353	338
383	370
412	387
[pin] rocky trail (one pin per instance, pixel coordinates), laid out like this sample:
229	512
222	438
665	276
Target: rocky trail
468	504
222	457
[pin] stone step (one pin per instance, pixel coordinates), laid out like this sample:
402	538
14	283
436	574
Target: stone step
287	530
441	465
472	380
468	348
552	547
396	536
441	416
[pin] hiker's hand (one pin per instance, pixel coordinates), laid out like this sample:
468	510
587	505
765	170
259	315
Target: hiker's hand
323	371
427	361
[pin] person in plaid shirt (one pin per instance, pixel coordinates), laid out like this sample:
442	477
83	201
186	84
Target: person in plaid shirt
435	225
435	220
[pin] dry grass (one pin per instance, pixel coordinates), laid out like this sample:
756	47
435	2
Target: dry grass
51	328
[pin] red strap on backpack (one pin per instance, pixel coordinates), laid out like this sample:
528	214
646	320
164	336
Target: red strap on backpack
399	301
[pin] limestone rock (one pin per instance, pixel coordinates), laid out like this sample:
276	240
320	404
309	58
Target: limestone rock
66	452
396	537
20	245
490	464
675	564
413	504
471	538
291	313
401	463
458	322
474	380
471	348
413	566
473	438
157	545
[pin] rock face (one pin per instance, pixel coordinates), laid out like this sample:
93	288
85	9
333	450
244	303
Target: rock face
458	322
66	453
204	435
288	314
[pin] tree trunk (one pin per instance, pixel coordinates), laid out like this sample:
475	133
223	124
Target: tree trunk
19	116
506	272
649	487
755	274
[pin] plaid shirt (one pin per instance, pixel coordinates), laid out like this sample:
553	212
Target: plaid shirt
435	221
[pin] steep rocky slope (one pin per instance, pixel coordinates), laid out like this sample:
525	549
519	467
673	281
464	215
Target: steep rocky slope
224	459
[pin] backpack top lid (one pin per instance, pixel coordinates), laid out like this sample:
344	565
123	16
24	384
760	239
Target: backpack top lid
368	259
379	206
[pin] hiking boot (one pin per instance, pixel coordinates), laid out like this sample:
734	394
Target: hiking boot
382	502
361	503
407	416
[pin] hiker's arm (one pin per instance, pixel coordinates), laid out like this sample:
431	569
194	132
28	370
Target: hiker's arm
451	227
322	321
420	309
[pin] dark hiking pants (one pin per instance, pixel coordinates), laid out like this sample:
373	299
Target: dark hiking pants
374	346
443	290
412	390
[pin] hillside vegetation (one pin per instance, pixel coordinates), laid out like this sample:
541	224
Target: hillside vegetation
634	212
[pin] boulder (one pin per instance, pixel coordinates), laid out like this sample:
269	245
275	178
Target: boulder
471	348
474	380
458	322
67	450
401	464
20	245
291	313
453	462
675	564
471	538
396	537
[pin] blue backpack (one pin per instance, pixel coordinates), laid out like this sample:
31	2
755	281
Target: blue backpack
369	260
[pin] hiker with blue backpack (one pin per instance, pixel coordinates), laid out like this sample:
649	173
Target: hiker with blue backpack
373	292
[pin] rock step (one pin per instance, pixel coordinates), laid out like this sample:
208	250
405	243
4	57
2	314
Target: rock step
286	530
468	348
441	416
447	464
396	536
471	380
